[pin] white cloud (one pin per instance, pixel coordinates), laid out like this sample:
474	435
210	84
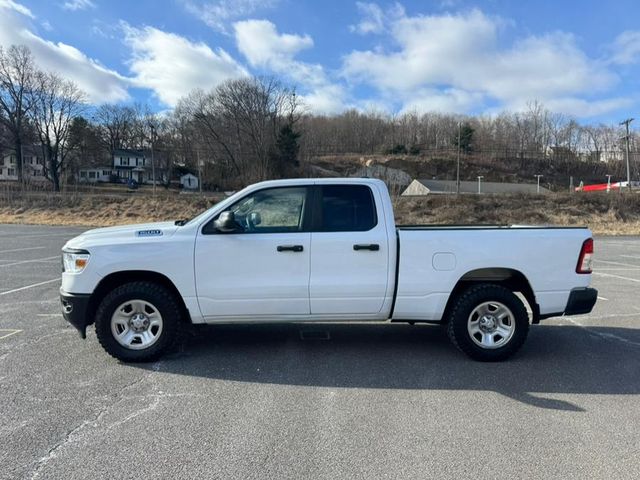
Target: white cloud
374	18
172	65
74	5
11	5
459	62
99	83
325	99
263	47
217	14
626	48
588	108
444	101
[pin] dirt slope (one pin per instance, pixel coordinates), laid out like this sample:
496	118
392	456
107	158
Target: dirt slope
612	213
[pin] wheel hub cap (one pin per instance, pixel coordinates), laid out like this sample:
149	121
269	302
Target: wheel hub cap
488	323
139	322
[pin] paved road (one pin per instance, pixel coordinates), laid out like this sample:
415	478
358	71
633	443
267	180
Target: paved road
374	401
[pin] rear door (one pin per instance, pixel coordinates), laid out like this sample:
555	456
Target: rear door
349	252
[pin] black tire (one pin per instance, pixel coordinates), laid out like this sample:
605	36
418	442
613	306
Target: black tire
160	298
462	310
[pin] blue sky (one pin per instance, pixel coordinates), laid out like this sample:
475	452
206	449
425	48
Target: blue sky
475	57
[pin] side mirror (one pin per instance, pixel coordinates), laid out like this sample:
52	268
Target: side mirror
226	222
255	218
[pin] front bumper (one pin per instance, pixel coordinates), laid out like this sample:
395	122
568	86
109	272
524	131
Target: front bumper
581	301
74	310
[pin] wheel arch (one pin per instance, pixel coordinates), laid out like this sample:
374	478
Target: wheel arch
116	279
509	278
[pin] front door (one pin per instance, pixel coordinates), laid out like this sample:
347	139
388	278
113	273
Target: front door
262	268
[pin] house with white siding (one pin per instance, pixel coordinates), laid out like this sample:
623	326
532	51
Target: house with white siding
95	175
32	164
131	165
189	181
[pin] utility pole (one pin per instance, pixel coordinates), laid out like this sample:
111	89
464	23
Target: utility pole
480	177
538	177
199	170
608	183
626	137
458	169
153	162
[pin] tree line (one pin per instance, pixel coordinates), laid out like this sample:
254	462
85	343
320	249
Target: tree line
258	128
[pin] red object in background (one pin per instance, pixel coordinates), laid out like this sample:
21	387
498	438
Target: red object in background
597	187
602	187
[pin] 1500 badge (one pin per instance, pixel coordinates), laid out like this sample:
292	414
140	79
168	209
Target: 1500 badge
149	233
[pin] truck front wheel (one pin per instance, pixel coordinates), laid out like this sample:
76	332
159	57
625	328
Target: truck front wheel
137	321
488	322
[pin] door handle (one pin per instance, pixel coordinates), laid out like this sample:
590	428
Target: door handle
290	248
374	247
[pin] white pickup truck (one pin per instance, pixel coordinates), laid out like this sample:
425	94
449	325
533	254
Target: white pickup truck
313	250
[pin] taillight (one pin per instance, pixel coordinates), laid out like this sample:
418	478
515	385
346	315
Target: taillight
586	257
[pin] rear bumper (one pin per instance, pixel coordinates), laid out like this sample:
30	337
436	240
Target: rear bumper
581	301
74	310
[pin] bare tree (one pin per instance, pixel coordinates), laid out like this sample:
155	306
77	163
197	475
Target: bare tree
201	108
240	122
17	76
116	123
56	103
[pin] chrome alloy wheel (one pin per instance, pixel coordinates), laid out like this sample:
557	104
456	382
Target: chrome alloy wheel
491	325
136	324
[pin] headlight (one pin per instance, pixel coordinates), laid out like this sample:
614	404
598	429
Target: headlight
74	261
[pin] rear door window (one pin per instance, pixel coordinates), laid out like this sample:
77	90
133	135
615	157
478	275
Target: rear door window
347	208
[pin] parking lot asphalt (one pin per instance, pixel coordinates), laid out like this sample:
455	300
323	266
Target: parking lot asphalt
372	401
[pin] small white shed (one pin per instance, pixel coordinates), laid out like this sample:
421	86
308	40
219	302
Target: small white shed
189	181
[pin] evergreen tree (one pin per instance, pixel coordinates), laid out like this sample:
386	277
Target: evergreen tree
285	157
466	138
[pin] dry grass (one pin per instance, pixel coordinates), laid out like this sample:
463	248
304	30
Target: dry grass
99	210
613	214
604	213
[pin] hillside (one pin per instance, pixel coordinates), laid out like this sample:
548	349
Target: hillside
556	173
612	213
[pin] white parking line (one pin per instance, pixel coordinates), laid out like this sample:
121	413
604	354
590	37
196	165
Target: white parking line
22	249
69	235
617	263
36	260
30	286
631	256
602	298
622	244
606	316
11	331
611	275
619	269
608	336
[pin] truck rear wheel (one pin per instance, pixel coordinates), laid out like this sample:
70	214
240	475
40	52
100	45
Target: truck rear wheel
137	321
488	322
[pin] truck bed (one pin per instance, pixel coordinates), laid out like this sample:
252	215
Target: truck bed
486	227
